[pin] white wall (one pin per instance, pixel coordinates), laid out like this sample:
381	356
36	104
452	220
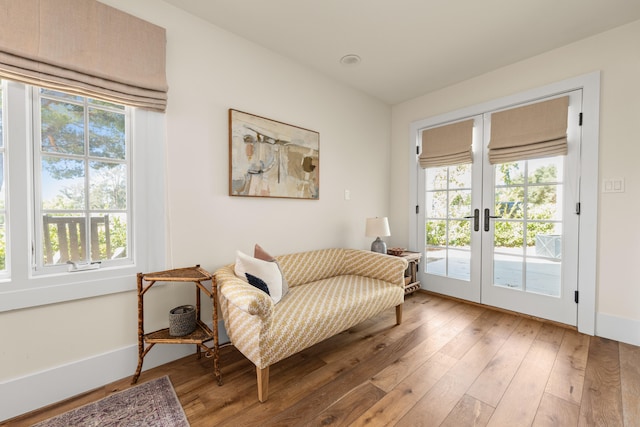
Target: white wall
616	54
93	341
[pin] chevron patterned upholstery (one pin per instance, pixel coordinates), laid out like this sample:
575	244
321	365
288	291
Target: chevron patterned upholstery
330	290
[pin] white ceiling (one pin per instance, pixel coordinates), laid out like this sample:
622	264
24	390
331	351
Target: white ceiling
411	47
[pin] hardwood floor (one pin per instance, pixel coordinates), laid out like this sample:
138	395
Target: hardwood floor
448	364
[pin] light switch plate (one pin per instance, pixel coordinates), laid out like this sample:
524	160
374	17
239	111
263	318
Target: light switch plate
613	185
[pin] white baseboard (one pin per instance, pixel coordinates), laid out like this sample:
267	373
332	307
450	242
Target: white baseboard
33	391
618	328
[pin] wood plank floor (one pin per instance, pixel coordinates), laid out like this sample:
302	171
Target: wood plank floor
448	364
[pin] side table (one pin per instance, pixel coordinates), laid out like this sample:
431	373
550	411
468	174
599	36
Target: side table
411	282
202	333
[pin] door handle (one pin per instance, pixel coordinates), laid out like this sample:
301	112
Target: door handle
476	219
486	219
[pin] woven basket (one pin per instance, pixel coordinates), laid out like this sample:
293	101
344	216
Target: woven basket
182	320
396	251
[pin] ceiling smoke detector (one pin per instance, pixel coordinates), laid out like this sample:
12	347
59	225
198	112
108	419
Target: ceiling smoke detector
350	59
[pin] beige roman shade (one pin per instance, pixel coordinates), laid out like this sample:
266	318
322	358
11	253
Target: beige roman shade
447	145
529	132
84	47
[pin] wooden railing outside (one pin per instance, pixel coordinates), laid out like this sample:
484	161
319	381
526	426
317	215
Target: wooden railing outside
71	232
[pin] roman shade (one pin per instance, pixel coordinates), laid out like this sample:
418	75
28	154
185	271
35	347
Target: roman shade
86	48
447	145
529	132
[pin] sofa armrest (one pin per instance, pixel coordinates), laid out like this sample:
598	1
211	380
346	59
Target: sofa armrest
376	266
242	295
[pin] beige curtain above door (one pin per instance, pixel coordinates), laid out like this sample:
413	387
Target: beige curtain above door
447	145
529	132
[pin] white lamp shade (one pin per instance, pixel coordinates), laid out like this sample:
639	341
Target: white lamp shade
377	227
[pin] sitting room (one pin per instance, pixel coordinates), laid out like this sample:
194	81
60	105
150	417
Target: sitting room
149	147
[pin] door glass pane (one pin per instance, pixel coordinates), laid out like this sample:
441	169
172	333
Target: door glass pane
459	264
459	203
507	271
436	178
544	266
448	232
508	204
436	233
508	253
528	236
460	176
547	170
437	261
436	204
509	173
542	202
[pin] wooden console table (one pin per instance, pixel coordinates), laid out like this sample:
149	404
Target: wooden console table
411	282
202	333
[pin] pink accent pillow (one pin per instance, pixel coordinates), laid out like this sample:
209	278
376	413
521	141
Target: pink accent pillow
260	253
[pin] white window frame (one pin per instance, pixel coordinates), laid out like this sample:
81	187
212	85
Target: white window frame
24	288
6	273
39	266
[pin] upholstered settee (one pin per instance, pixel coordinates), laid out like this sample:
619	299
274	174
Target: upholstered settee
329	291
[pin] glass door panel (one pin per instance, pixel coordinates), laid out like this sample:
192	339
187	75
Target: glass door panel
528	231
448	231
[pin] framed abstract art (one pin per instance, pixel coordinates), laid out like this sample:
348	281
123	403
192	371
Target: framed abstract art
268	158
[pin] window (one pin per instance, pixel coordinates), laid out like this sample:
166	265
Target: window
82	174
79	178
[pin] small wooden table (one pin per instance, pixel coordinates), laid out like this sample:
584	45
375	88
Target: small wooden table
202	333
411	282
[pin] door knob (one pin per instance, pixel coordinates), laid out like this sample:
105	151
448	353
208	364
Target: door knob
486	219
476	219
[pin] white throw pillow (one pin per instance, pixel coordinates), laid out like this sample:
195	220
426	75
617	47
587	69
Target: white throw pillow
266	271
260	253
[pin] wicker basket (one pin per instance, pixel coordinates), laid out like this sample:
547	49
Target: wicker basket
396	251
182	320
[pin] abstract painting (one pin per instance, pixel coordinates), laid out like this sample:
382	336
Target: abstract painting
268	158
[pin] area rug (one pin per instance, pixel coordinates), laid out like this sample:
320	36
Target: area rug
151	404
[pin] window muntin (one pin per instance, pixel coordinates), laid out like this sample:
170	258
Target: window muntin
83	175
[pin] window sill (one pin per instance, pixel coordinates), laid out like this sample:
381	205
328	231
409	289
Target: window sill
51	289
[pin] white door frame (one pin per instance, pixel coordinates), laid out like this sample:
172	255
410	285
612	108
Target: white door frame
587	246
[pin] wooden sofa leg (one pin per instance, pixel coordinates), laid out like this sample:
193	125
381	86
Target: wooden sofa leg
398	314
263	383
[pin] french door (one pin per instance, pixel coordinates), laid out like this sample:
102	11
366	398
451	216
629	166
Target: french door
506	234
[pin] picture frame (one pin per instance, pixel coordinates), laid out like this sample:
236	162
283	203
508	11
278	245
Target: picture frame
268	158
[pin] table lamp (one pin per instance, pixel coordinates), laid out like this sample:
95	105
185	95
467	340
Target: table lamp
377	227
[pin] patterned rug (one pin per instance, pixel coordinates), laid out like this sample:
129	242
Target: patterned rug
151	404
